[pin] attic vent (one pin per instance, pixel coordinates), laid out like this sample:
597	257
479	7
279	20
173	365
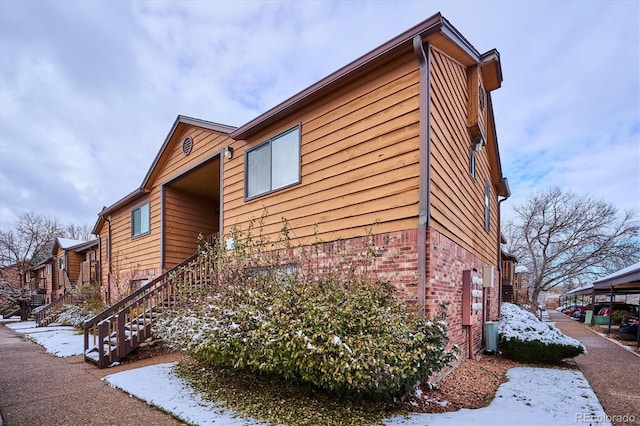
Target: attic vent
187	144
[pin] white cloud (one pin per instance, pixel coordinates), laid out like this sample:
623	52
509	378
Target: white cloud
90	89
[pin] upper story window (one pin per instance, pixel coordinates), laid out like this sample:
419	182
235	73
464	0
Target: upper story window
472	162
487	212
140	220
273	164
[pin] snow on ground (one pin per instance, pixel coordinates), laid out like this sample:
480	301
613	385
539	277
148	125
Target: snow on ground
61	341
160	386
519	324
531	396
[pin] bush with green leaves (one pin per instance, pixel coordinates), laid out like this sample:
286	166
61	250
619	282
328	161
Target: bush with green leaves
343	334
75	315
523	337
618	316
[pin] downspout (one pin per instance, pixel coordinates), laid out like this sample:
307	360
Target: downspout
425	167
108	249
500	255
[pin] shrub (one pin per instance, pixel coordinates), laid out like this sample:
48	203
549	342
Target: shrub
618	316
523	337
75	315
344	334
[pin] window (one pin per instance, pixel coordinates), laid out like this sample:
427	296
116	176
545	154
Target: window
140	220
487	215
273	164
137	284
472	163
60	263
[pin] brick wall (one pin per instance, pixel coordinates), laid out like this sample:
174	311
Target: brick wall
11	275
393	257
120	285
446	262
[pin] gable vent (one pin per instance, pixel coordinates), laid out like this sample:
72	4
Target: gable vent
187	144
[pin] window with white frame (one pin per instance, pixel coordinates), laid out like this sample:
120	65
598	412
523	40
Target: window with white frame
140	220
487	212
472	163
273	164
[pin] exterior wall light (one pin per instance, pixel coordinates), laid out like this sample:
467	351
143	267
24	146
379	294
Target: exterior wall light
228	152
477	144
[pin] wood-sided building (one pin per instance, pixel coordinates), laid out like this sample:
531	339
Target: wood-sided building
40	278
70	258
400	142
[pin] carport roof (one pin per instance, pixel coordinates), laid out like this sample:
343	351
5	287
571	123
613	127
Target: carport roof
626	280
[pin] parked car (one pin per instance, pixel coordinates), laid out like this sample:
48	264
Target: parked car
581	312
629	325
569	310
634	309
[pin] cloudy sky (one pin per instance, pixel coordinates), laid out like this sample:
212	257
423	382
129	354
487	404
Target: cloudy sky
90	89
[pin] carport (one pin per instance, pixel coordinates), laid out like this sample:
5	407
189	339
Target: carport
625	281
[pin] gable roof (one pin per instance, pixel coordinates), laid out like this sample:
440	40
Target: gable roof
436	29
67	243
163	155
85	245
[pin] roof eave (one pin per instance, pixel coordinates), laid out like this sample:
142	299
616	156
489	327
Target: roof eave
405	40
183	120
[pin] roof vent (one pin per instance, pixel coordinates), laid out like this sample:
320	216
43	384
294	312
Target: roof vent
187	144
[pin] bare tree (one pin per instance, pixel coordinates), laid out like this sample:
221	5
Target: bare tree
28	240
564	237
78	232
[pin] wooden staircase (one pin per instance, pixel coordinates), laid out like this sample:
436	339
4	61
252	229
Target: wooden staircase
507	293
50	313
121	328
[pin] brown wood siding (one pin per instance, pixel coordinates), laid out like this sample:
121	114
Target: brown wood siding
186	217
73	269
457	200
205	144
359	162
144	252
133	253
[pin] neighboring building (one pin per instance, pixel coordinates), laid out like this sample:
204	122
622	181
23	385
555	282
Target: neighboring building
400	142
509	282
40	278
11	275
69	259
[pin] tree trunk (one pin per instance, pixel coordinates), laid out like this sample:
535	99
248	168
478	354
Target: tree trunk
533	303
24	309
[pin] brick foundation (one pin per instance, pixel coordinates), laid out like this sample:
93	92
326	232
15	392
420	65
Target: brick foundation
120	285
393	257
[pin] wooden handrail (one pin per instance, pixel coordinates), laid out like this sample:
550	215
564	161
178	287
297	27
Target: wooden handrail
53	308
123	326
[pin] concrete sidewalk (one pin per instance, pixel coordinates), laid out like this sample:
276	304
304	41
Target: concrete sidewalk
612	371
37	388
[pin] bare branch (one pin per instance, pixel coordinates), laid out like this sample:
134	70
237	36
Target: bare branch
563	237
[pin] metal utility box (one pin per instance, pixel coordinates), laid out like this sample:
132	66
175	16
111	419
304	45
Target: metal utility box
491	335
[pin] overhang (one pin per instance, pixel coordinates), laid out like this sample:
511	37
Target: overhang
436	30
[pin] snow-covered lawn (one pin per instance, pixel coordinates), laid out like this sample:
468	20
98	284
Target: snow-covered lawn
59	340
532	396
